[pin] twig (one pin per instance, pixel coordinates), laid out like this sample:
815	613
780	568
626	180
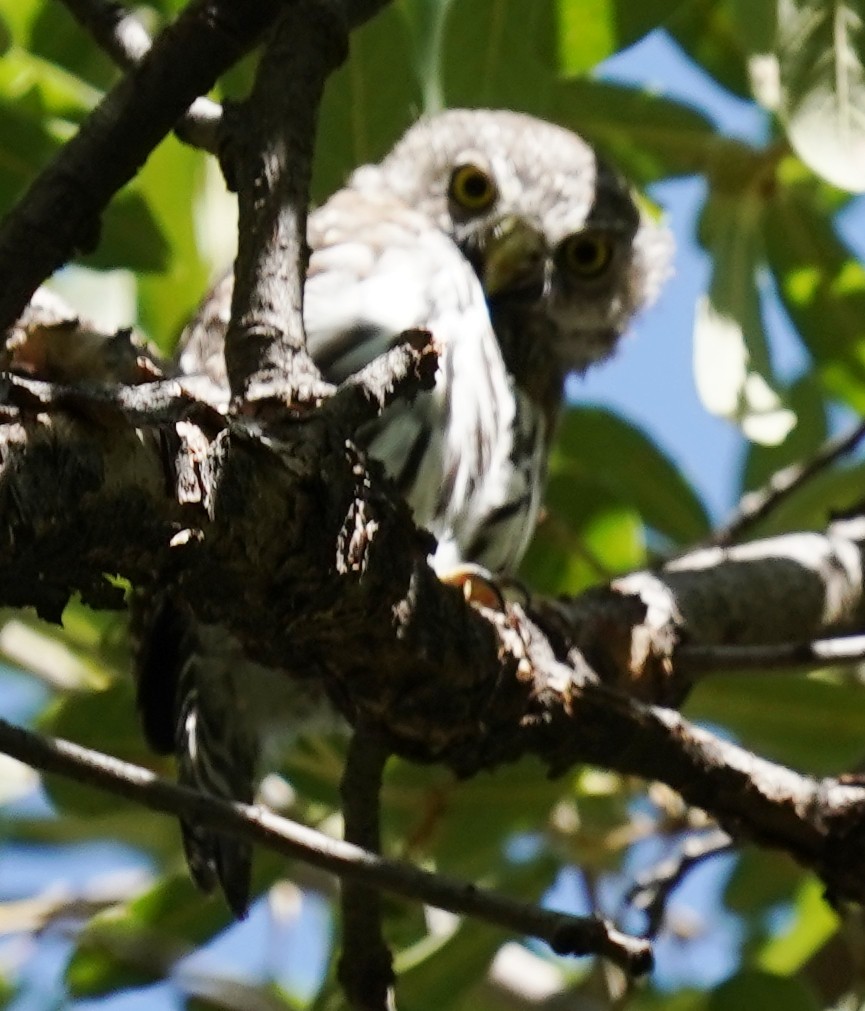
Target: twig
365	966
653	887
125	39
60	212
572	935
757	505
704	660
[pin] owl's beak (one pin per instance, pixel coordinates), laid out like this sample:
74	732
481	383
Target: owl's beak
514	257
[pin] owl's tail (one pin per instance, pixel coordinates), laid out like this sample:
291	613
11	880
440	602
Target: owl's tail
187	706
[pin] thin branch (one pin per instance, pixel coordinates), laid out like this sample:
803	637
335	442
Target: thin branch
695	661
366	965
757	505
653	887
572	935
125	39
60	212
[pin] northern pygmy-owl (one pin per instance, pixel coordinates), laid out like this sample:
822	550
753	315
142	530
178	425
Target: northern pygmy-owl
526	257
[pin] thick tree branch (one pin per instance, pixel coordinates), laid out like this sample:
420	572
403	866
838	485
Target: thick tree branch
60	212
302	553
566	934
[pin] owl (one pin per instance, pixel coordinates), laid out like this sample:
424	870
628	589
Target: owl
526	257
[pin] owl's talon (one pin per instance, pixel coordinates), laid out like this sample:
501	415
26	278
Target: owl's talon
478	586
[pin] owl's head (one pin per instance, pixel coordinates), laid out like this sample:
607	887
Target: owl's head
562	251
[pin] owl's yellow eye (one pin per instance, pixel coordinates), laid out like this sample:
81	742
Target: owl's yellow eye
587	254
472	189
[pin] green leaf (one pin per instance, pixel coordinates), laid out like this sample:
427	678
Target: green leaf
595	443
106	721
761	879
426	21
808	723
731	355
500	54
750	989
815	922
806	400
647	135
821	52
173	182
592	30
55	35
131	237
368	102
822	286
710	33
140	942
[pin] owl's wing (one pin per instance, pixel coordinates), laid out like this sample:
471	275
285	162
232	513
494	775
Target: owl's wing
378	268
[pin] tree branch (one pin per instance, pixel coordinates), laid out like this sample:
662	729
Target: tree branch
365	965
652	889
268	150
60	212
566	934
758	504
125	39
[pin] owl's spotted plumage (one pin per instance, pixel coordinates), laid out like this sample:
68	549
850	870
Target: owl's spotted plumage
526	258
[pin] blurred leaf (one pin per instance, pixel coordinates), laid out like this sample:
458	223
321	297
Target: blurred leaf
750	989
435	814
813	505
368	103
810	724
586	534
426	21
648	136
822	286
710	33
56	35
761	879
140	942
440	972
821	50
731	355
806	400
814	923
131	237
592	30
493	49
106	721
172	182
596	443
683	1000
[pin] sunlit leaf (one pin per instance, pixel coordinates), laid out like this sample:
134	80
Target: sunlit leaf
588	32
731	357
814	923
821	49
822	286
597	443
